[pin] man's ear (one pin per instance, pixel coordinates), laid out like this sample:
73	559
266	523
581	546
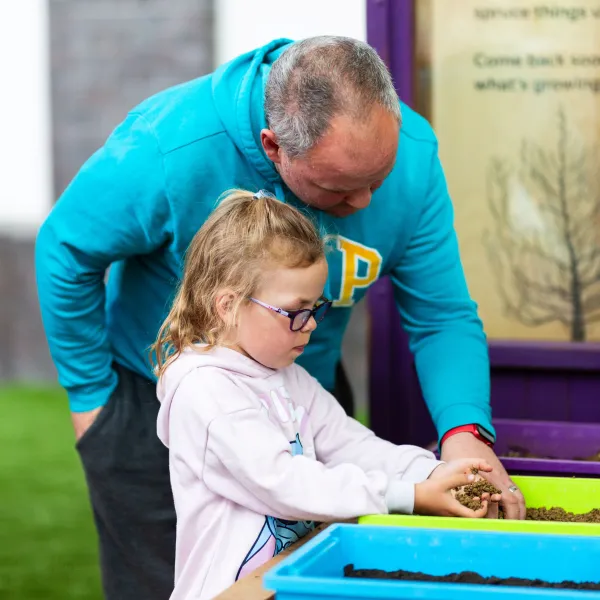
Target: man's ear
224	304
270	145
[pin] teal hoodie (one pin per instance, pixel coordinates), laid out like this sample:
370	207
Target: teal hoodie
137	202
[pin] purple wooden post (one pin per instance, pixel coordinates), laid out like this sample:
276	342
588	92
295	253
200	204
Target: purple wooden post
397	409
390	30
379	28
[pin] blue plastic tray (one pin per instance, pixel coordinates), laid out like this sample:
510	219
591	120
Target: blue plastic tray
315	571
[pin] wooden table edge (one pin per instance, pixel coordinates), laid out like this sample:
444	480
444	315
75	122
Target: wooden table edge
251	586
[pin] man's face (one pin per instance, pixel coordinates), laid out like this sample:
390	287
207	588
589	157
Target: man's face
345	167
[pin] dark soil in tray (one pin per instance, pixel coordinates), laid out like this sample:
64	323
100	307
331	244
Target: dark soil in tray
469	495
464	577
560	514
592	458
520	452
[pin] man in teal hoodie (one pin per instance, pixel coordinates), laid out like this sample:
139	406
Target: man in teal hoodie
316	123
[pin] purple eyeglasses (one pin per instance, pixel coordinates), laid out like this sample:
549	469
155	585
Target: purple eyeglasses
299	318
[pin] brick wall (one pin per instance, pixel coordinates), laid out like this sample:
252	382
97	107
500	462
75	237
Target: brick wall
106	56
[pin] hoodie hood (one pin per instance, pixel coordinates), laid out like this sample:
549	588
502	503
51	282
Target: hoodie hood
239	366
238	91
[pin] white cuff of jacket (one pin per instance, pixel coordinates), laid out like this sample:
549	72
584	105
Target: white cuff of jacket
400	494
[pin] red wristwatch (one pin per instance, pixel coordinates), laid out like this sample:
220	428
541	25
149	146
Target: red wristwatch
481	433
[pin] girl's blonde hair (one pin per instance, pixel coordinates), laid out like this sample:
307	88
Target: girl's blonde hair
229	251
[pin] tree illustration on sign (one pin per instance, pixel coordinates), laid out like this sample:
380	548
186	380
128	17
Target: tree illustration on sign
544	246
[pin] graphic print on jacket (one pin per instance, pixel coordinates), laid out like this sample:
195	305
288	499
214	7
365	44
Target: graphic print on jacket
276	534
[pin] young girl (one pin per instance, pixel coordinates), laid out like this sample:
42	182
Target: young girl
259	451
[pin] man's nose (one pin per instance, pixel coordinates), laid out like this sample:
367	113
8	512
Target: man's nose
360	199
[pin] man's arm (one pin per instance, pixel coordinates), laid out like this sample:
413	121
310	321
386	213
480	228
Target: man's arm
114	208
446	335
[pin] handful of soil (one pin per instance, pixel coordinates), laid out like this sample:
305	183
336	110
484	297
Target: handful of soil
465	577
470	495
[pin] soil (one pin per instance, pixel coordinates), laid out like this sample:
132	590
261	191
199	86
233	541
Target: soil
465	577
520	452
469	495
560	514
592	458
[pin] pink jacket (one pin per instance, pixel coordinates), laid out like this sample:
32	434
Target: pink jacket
257	456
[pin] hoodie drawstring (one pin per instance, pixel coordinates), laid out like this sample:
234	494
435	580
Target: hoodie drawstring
279	192
323	233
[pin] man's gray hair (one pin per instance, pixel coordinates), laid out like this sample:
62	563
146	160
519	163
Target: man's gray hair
318	78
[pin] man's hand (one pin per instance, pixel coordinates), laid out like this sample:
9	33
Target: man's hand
466	445
83	420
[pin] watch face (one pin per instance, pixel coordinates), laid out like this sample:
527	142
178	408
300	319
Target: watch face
485	434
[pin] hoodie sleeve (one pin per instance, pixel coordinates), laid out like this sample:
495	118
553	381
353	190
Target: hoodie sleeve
114	208
247	459
446	335
340	439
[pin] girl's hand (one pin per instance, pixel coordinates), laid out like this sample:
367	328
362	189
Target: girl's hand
466	466
435	495
463	465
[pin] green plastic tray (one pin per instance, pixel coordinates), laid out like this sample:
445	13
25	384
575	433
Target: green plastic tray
575	495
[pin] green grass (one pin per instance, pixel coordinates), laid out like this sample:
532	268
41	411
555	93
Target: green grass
48	544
